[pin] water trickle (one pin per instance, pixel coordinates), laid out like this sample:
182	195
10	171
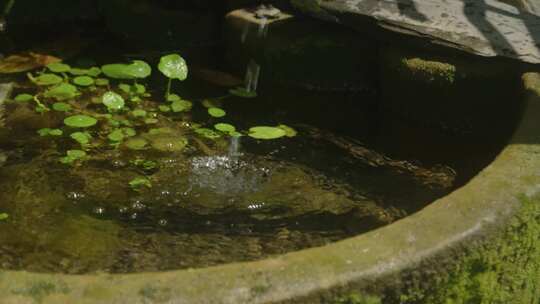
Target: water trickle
234	147
252	76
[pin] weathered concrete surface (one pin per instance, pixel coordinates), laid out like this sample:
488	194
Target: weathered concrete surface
500	203
483	27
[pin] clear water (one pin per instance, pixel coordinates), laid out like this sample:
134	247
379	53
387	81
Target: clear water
216	201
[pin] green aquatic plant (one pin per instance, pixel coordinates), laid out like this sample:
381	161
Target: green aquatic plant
58	67
119	135
72	156
4	216
138	69
181	105
138	113
173	66
265	132
45	79
80	121
216	112
224	127
113	101
289	132
144	164
62	92
92	72
24	97
136	143
61	107
83	81
140	182
102	82
50	132
82	138
207	133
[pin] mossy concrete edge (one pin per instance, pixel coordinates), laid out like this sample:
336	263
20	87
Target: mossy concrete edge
372	262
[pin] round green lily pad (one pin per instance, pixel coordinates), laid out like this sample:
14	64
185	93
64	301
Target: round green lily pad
61	107
264	132
23	97
181	105
173	98
116	135
224	127
138	113
58	67
82	138
289	132
102	82
136	143
80	121
173	66
83	81
216	112
61	92
208	133
47	79
113	101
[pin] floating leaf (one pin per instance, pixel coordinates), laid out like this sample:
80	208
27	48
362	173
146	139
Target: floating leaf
173	98
164	108
3	216
137	69
136	143
151	121
25	62
216	112
264	132
46	79
208	133
61	92
83	81
102	82
72	156
116	135
173	66
289	132
138	113
113	101
80	121
24	97
181	105
61	107
93	71
58	67
208	103
82	138
140	182
50	132
124	87
242	92
224	127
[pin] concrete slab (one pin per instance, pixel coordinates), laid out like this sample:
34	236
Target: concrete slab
483	27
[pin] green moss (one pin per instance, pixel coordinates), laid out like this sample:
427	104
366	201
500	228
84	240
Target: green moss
430	70
356	298
155	294
506	270
532	82
39	289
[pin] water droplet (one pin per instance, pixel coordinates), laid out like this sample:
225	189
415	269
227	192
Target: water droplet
133	216
99	210
75	195
162	222
123	209
138	205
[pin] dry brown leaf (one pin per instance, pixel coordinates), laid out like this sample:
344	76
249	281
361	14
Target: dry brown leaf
25	62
